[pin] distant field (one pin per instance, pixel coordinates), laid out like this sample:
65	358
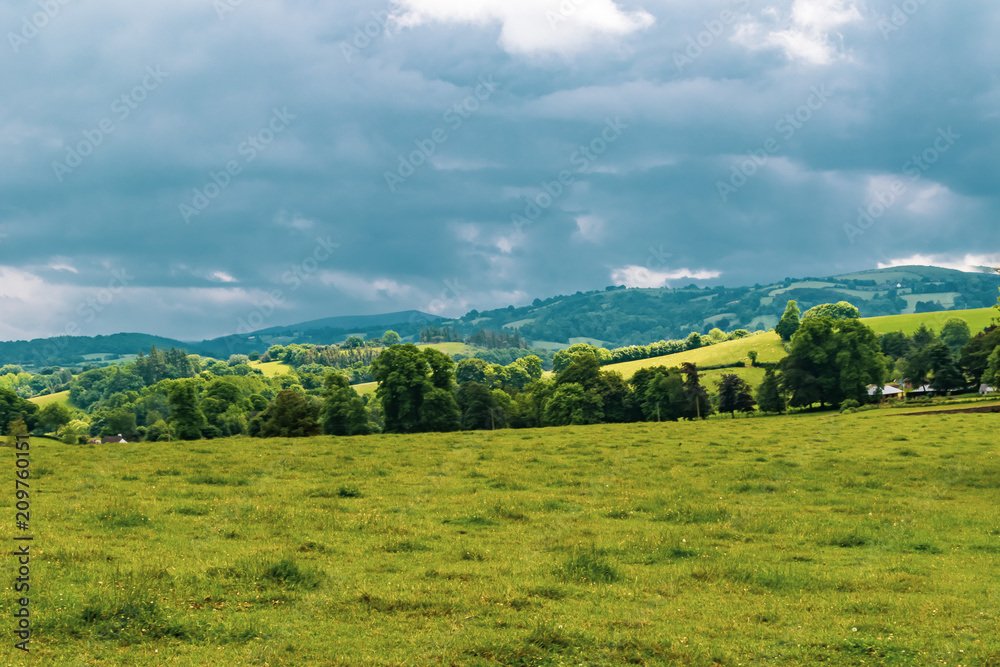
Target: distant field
859	539
271	368
42	401
366	388
452	348
768	346
977	319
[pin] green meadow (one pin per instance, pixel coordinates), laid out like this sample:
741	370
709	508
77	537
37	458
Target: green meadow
870	538
977	320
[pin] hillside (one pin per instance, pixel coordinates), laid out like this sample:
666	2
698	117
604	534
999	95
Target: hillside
768	347
615	317
622	317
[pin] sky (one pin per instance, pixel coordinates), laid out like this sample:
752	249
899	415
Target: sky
194	168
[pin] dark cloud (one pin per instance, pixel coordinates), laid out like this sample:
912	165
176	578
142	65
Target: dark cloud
188	94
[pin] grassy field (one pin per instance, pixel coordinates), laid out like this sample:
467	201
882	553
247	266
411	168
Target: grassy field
42	401
977	320
857	539
768	346
365	388
271	368
452	348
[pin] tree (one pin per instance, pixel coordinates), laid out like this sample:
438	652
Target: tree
992	375
54	416
945	374
735	394
955	333
976	353
471	370
753	357
831	361
390	338
343	412
769	396
583	370
693	341
842	310
291	415
699	407
13	407
186	419
401	372
563	358
354	342
662	395
476	403
571	404
789	322
439	412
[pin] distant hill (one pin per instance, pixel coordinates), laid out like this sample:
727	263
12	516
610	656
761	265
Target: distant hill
614	317
623	317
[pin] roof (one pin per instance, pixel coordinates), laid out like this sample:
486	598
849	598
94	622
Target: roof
887	390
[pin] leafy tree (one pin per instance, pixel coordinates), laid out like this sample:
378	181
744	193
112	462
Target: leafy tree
439	412
390	338
693	341
186	419
895	344
945	374
955	333
753	354
15	428
402	374
697	397
54	416
354	342
842	310
789	322
769	395
476	402
663	396
343	412
571	404
976	353
13	408
616	398
583	370
471	370
291	415
735	394
831	361
563	358
992	375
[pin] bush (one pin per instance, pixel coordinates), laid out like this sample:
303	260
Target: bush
849	404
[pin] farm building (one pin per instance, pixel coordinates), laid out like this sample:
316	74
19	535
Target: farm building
888	391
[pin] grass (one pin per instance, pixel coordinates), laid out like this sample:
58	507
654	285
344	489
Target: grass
271	368
768	346
365	388
61	397
452	348
836	539
977	320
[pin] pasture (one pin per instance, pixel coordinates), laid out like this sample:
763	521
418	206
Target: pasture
977	320
844	539
768	346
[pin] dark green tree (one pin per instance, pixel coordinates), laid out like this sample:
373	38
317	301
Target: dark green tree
343	412
663	397
571	404
476	403
769	395
842	310
291	415
186	419
54	416
471	370
402	375
698	404
390	338
735	395
439	412
955	333
789	322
